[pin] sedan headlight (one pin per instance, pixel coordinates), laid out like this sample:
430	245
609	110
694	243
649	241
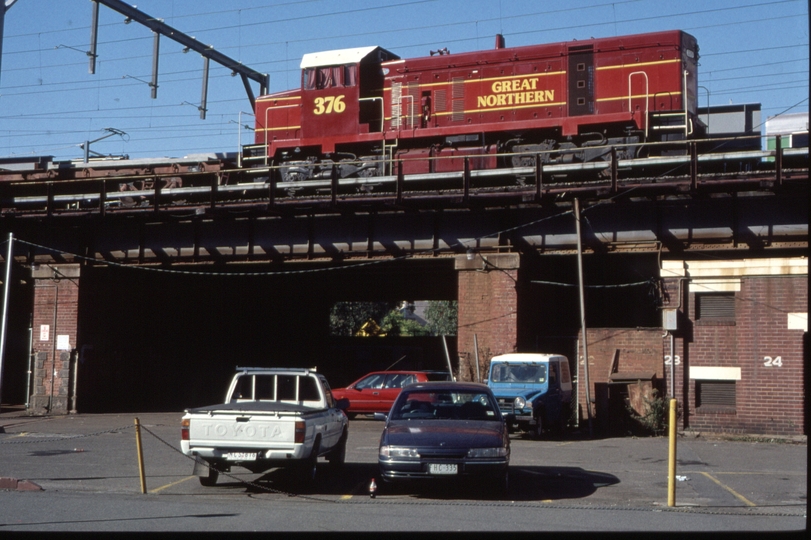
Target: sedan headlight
487	452
398	452
520	402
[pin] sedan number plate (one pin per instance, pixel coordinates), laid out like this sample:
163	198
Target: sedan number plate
241	456
442	468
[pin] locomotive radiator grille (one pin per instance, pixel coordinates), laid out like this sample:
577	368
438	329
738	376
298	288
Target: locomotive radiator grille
458	99
396	96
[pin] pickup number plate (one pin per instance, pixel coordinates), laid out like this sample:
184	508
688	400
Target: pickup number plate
442	468
241	456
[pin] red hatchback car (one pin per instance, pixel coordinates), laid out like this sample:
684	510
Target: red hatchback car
376	391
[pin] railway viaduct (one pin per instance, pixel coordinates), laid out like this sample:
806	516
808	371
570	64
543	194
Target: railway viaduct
140	286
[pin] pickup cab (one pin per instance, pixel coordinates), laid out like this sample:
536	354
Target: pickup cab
271	417
534	391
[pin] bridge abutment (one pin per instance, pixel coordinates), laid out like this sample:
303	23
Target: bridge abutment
487	313
55	321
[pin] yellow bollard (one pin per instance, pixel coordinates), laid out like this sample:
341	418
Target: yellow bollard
140	455
671	462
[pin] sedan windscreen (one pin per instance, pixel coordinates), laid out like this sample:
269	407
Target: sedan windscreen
423	405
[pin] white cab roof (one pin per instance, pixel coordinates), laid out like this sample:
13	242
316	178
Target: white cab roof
526	357
337	57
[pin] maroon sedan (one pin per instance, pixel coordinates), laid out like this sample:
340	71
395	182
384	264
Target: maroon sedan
376	391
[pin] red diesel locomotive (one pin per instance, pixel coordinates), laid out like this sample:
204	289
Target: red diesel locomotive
360	109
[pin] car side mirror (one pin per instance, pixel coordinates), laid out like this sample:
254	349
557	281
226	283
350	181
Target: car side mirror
381	416
342	404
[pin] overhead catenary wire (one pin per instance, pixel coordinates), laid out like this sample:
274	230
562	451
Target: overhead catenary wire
734	17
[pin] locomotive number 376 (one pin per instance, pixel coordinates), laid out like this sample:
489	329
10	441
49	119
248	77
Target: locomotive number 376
329	104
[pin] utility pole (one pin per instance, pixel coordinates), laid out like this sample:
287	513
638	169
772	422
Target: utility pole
582	309
3	323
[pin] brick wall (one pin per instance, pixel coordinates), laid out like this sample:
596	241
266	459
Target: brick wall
55	313
769	398
769	395
641	350
487	310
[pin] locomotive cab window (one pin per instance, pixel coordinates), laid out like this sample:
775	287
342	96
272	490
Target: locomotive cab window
322	77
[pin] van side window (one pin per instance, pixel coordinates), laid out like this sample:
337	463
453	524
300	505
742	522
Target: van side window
565	378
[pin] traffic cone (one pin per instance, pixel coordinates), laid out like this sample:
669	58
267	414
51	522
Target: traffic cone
372	489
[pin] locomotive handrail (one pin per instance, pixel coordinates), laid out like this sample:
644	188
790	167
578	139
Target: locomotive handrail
410	116
631	96
688	123
382	110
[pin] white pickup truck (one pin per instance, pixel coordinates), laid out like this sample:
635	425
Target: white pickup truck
272	417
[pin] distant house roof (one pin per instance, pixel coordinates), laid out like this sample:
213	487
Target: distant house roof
343	56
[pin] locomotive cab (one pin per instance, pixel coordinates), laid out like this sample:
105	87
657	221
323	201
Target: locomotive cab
335	119
342	94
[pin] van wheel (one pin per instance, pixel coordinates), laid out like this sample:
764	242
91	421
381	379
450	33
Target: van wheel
563	421
536	431
211	478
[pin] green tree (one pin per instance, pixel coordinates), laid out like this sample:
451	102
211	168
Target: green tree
442	317
395	324
346	318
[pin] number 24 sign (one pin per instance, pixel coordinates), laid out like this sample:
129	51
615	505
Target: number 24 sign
768	361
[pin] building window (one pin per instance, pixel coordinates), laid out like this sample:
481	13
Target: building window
715	306
715	394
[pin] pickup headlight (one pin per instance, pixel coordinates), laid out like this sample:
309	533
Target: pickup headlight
398	452
487	452
520	402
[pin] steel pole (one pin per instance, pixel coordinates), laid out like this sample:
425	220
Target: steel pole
671	460
140	451
6	287
447	356
582	310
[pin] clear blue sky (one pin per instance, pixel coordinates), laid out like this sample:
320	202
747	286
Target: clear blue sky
752	51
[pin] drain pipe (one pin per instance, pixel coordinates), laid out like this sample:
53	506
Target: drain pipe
53	351
476	349
75	361
30	361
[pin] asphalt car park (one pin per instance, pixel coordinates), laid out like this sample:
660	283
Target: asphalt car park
91	455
